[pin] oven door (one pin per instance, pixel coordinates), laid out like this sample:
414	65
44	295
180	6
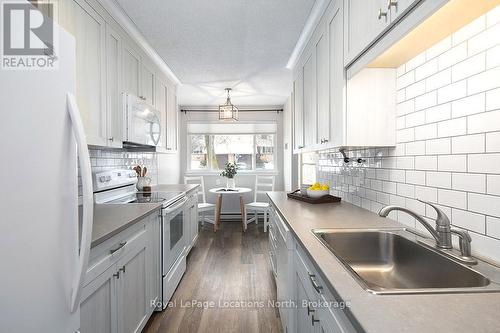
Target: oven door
173	234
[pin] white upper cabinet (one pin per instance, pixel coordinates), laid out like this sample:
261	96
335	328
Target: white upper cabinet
365	20
298	110
335	27
108	64
161	105
172	121
89	29
148	83
131	70
322	83
114	111
310	100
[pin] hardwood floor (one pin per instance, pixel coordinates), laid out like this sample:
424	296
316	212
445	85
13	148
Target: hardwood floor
225	266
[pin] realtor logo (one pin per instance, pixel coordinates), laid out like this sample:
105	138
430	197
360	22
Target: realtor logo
27	36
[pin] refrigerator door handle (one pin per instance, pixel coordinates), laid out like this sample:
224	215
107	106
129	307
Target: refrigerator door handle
88	200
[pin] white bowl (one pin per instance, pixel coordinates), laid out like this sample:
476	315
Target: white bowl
317	193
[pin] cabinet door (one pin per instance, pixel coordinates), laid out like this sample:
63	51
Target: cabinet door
335	28
303	312
310	101
298	110
131	70
194	219
154	259
148	84
363	24
114	106
98	306
171	128
161	105
323	87
133	290
89	30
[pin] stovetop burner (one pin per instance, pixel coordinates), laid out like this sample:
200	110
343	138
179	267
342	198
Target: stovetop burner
148	197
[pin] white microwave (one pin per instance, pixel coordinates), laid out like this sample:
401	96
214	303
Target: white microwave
142	122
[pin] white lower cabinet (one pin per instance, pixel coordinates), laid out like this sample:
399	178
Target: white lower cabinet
121	298
98	308
297	280
192	220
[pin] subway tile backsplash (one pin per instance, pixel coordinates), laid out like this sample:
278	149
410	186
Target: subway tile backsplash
448	140
107	159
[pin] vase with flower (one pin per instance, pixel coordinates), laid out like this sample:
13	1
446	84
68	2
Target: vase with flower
230	170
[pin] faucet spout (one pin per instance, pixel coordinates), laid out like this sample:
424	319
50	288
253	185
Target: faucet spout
384	212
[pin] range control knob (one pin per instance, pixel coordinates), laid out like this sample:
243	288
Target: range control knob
108	178
102	179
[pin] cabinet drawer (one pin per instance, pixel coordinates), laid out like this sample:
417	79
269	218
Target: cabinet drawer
330	313
106	254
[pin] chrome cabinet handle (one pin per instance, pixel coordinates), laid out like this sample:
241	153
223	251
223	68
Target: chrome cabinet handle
142	97
122	269
381	14
300	147
392	3
111	139
309	310
117	275
122	244
313	320
315	284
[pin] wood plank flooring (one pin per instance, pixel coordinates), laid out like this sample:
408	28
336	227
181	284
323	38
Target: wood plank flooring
225	266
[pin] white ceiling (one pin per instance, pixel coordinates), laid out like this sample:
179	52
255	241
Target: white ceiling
214	44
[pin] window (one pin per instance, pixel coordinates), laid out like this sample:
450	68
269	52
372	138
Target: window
248	151
308	168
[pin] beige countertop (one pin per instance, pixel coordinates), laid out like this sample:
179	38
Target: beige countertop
110	219
477	312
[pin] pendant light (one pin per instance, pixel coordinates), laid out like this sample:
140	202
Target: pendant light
228	111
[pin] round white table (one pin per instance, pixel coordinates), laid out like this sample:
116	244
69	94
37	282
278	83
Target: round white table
222	191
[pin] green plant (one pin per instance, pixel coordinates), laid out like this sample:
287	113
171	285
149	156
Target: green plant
230	170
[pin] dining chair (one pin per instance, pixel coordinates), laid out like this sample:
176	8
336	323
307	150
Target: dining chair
203	206
263	184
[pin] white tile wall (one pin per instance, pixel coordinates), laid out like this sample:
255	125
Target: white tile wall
448	150
103	159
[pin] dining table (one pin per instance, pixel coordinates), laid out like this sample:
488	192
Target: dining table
220	192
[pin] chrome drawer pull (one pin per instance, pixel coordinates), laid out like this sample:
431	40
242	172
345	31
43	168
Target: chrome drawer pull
309	310
122	244
314	320
315	285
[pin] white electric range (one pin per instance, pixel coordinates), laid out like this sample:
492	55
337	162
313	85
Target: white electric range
118	187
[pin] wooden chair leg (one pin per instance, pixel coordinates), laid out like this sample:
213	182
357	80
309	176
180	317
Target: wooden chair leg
243	214
218	207
256	217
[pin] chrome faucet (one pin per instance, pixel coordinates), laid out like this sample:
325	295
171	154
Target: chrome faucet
443	231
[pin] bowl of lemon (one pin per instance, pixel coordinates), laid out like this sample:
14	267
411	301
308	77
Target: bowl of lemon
317	190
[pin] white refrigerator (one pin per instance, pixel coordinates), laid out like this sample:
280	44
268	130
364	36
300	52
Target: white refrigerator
43	246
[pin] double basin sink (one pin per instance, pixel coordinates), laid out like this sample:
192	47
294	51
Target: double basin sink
396	261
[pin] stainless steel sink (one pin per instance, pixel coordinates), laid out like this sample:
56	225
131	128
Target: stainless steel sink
395	262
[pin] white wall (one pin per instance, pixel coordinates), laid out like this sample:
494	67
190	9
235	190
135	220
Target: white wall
169	168
243	179
448	140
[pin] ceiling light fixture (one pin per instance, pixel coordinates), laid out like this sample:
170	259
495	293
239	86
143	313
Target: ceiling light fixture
228	111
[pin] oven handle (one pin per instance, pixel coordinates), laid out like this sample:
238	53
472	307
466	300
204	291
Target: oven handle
169	210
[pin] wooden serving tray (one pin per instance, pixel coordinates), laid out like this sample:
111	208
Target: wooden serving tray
324	199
